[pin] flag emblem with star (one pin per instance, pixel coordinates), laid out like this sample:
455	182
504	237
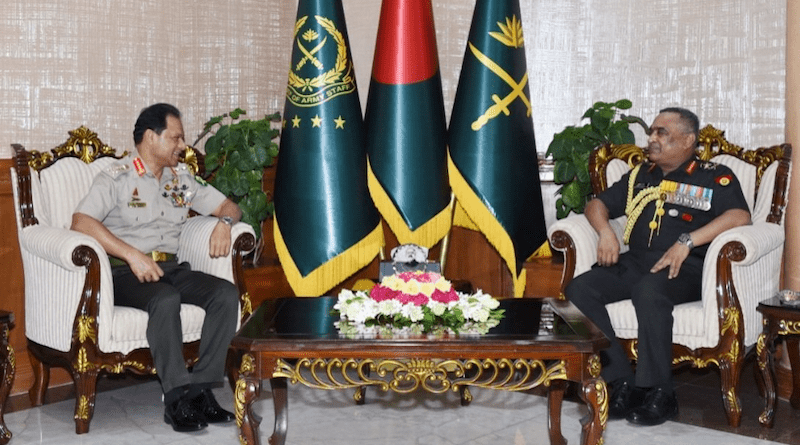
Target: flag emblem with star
326	226
492	163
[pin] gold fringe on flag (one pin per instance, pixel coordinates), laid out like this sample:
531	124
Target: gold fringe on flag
482	218
542	252
333	271
427	235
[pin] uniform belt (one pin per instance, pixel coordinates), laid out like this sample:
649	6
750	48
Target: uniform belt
157	256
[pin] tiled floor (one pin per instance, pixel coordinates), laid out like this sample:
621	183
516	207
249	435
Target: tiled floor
698	393
700	403
132	414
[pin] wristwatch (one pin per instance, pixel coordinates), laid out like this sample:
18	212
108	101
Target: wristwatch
686	240
226	220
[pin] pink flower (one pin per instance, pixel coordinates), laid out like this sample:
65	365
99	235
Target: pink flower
444	297
381	293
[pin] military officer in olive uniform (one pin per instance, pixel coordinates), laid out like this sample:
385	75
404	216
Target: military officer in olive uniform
676	205
136	209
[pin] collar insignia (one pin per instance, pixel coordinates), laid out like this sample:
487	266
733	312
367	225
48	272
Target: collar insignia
691	167
139	166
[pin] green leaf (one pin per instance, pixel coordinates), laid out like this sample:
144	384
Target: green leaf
602	120
211	122
272	151
623	104
213	145
236	113
562	211
619	133
572	195
557	148
212	161
563	172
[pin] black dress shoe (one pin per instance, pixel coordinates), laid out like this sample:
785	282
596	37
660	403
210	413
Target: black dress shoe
209	409
183	417
658	407
625	397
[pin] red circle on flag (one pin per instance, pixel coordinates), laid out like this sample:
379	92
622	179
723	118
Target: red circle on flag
405	50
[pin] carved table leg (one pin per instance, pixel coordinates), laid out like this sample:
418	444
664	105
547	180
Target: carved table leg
281	402
555	397
596	397
765	364
793	350
8	363
247	390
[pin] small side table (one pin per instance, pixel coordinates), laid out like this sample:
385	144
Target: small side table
779	320
8	366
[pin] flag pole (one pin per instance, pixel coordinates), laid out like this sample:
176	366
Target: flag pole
446	240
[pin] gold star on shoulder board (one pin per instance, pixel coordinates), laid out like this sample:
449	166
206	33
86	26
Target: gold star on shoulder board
316	121
339	122
296	122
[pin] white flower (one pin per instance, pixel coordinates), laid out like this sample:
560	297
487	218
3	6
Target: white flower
412	312
437	308
360	310
480	314
389	307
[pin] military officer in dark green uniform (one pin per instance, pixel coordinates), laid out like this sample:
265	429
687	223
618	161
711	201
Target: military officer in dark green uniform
676	205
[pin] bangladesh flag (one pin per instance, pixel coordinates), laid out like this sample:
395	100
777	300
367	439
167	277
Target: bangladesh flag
326	226
406	125
493	164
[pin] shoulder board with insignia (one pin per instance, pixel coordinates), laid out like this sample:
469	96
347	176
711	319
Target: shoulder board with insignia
708	165
117	168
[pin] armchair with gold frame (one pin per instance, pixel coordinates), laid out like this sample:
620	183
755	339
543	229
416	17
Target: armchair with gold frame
742	266
70	318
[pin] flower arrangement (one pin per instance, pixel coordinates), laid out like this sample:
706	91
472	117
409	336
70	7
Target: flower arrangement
415	303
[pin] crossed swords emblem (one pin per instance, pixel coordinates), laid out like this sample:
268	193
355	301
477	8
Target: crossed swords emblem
500	105
309	56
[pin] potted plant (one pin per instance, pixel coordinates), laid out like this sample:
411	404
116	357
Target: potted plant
236	155
571	148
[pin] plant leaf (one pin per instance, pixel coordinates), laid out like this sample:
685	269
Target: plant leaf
623	104
563	172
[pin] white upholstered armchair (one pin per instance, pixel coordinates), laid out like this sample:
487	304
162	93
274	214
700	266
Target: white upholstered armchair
70	317
742	266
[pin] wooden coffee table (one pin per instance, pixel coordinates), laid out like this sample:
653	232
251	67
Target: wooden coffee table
294	340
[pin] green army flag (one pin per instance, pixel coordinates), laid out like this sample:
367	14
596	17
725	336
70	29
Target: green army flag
326	226
406	125
493	164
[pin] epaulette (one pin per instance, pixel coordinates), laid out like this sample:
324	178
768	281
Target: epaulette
117	169
708	165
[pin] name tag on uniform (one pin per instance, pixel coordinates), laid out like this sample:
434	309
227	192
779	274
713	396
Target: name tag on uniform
135	201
